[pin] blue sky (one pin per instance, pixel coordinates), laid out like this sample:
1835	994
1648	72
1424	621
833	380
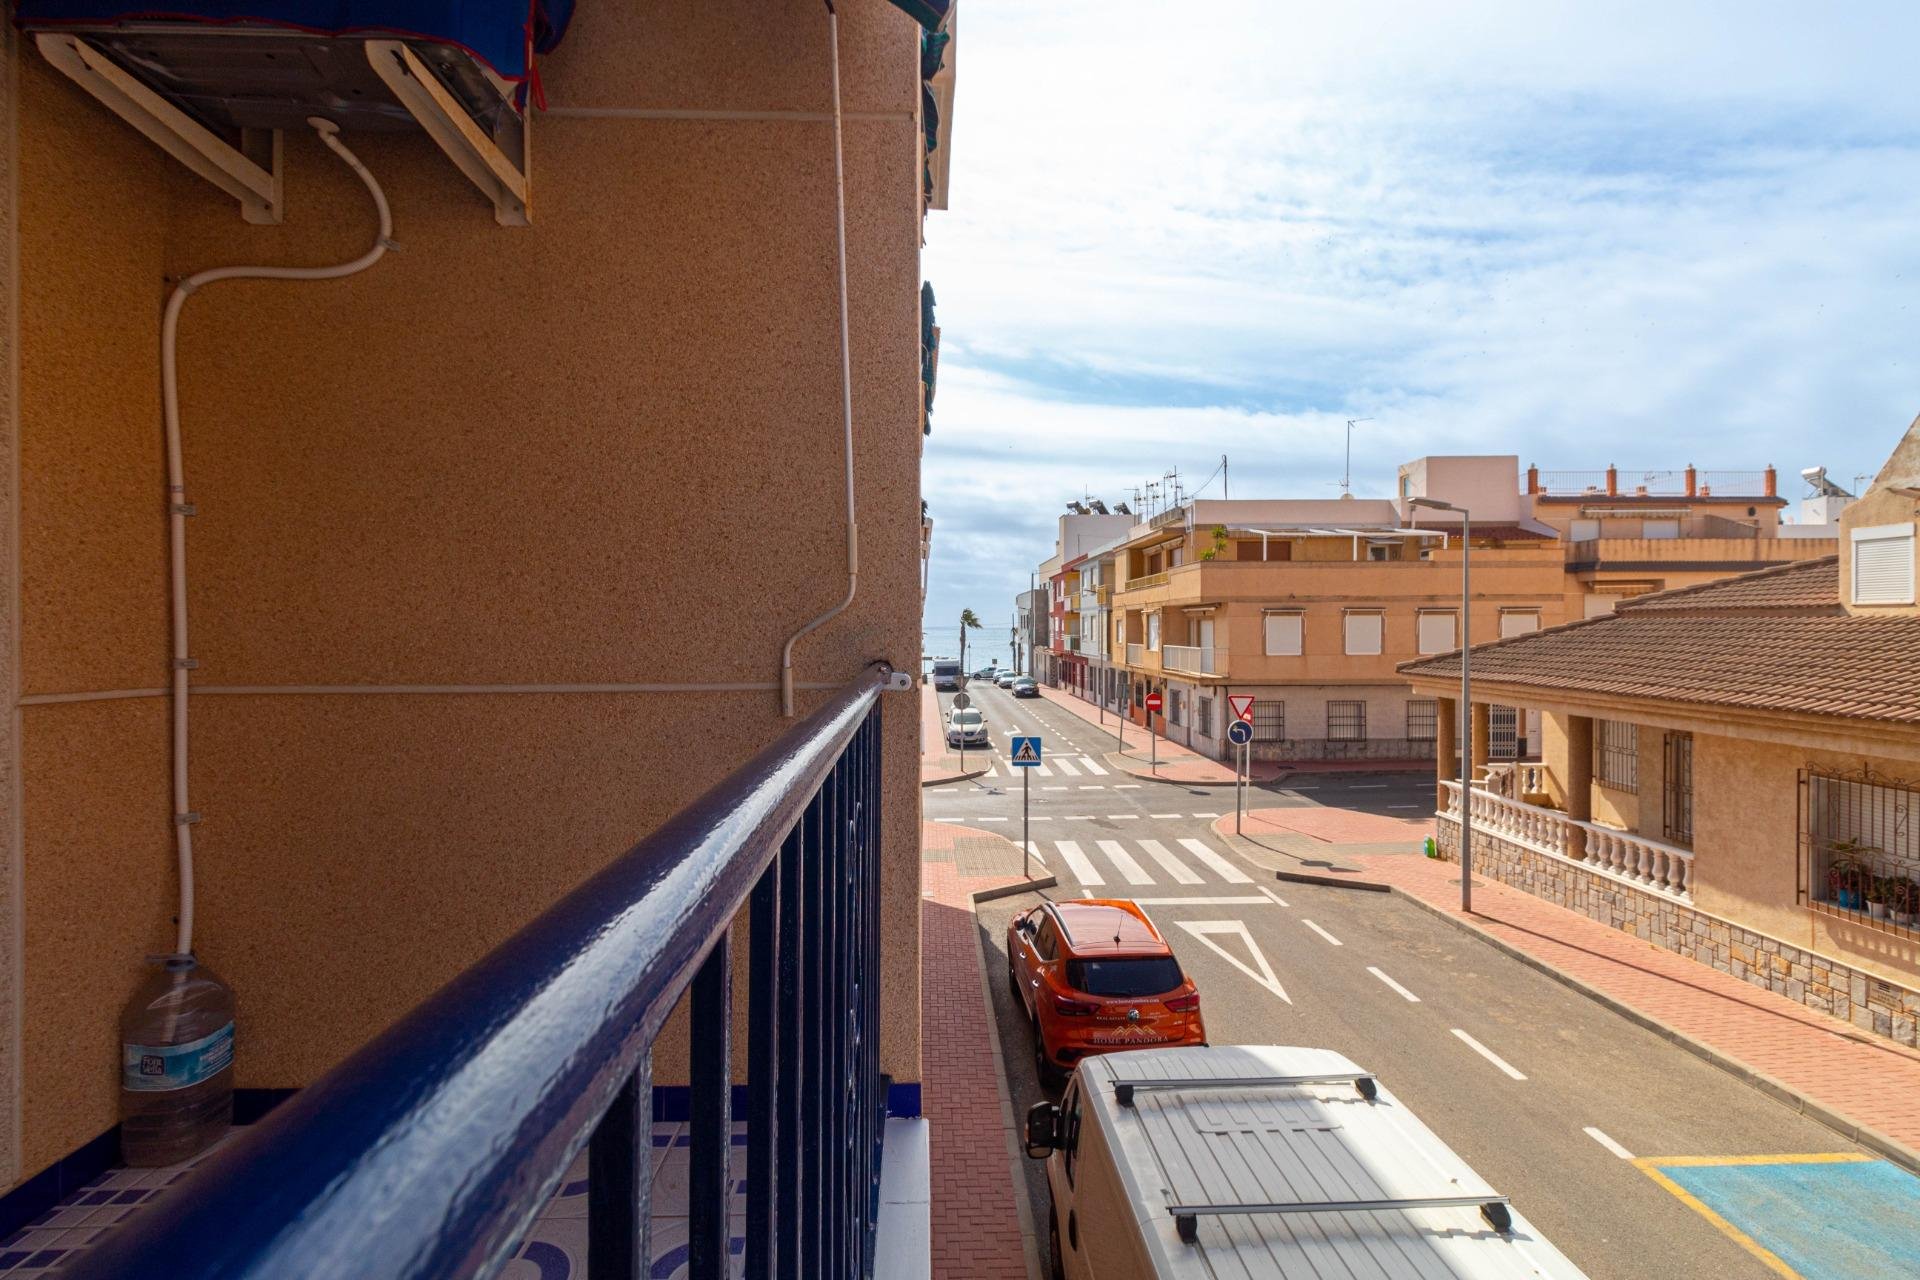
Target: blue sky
1645	234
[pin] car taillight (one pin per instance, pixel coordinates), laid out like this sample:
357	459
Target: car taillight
1184	1004
1074	1008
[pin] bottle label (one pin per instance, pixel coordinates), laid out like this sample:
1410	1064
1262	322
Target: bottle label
159	1068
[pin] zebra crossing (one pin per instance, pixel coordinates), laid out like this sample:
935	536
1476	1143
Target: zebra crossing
1112	862
1053	767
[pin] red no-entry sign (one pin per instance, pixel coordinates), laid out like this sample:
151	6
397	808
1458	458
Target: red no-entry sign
1153	702
1242	704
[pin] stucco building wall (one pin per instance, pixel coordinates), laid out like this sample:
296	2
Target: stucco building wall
602	449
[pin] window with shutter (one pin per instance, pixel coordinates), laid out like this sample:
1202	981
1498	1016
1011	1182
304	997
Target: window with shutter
1363	633
1517	622
1283	635
1659	528
1437	632
1883	564
1583	530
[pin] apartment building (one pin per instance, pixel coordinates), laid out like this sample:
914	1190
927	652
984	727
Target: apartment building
1310	605
1059	659
457	527
1730	770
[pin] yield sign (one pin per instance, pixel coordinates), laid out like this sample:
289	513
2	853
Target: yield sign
1242	705
1260	971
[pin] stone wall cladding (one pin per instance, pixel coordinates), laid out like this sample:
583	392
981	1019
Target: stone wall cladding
1817	981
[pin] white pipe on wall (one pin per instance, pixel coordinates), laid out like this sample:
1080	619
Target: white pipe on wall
846	378
178	508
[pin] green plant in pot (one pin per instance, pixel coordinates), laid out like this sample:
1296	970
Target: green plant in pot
1845	875
1879	892
1905	902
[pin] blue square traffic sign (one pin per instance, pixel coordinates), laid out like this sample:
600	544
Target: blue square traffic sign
1026	753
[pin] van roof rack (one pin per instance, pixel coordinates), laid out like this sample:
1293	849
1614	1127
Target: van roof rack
1362	1081
1186	1217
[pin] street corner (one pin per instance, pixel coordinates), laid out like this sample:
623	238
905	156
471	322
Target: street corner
1328	826
943	769
1821	1216
976	855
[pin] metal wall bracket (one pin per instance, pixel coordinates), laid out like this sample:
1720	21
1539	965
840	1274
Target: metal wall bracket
498	163
250	173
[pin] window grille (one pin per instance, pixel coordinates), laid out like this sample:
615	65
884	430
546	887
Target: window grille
1269	720
1423	716
1860	846
1677	802
1346	721
1617	746
1205	706
1173	707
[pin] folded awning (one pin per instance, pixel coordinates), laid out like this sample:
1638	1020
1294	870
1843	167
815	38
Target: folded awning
931	14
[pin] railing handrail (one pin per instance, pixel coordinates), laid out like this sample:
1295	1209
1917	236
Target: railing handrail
430	1150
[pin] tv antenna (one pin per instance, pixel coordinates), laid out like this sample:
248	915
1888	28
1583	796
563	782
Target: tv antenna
1346	476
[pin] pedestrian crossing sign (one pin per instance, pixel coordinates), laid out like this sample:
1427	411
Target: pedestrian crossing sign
1026	753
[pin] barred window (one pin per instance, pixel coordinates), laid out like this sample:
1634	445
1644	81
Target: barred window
1346	721
1616	745
1173	707
1422	717
1269	720
1205	716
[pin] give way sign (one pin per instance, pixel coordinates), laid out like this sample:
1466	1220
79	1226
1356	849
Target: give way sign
1242	705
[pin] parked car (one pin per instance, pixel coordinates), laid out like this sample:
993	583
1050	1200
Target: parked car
1094	976
1259	1160
987	673
1007	679
967	725
946	674
1024	687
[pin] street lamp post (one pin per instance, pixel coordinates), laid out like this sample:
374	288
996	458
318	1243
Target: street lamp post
1465	718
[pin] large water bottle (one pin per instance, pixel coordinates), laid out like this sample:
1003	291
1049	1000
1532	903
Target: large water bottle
176	1064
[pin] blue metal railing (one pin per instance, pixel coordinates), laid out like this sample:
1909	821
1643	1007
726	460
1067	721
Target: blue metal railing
429	1152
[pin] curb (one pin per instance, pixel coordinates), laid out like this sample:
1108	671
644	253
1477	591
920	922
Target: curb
1011	890
1306	877
958	777
1894	1150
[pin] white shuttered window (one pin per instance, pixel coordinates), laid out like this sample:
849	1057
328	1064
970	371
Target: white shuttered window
1883	564
1363	633
1517	622
1283	635
1437	632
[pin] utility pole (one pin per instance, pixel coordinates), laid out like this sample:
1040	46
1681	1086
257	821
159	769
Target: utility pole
1346	477
1223	477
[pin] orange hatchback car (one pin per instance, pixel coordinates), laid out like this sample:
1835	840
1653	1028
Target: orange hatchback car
1094	975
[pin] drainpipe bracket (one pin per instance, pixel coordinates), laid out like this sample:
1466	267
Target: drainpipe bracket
186	819
899	682
186	664
185	509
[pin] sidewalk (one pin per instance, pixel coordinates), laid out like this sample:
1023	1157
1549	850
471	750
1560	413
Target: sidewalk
937	764
1177	763
979	1217
1866	1087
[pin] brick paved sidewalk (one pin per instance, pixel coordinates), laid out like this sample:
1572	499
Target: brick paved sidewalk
976	1218
1864	1085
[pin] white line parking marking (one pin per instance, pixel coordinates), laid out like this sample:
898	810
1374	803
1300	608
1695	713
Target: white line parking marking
1091	767
1076	817
1180	871
1126	786
1271	894
1322	932
1410	997
1130	870
1163	815
1607	1142
1093	786
992	819
1206	815
1123	817
1083	869
1488	1054
1224	869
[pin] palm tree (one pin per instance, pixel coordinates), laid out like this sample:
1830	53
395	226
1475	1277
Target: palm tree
967	619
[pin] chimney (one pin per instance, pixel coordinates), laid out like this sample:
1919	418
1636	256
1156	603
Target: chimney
1692	478
1772	482
1613	481
1533	478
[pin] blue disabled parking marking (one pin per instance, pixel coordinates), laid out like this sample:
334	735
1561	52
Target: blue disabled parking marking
1823	1218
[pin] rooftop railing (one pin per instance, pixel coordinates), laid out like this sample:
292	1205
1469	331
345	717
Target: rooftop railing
428	1153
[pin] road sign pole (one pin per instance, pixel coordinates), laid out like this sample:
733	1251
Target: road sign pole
1026	827
1239	802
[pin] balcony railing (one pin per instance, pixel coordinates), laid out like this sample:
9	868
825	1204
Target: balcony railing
1199	660
1147	580
1136	655
1620	855
428	1153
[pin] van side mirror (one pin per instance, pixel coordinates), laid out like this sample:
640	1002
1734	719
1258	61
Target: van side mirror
1043	1130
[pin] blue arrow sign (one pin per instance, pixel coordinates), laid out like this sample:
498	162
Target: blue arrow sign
1239	733
1026	753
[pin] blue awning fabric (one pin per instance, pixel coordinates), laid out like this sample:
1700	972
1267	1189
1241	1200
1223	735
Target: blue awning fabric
931	14
504	34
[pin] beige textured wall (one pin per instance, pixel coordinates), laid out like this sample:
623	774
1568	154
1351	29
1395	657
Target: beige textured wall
603	449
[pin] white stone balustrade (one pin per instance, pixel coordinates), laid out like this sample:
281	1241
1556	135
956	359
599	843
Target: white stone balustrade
1620	855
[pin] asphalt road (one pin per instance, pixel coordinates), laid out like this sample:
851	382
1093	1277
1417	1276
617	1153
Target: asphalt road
1545	1092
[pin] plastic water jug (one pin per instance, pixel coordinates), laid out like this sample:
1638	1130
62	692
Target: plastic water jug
176	1063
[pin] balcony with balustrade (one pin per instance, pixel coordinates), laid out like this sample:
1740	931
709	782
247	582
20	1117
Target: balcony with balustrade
1195	660
1638	861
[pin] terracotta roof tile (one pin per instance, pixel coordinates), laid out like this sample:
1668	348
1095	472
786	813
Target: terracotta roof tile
1774	640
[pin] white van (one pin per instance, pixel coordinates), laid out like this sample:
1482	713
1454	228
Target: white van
1255	1162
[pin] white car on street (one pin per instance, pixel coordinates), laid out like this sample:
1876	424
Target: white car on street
967	726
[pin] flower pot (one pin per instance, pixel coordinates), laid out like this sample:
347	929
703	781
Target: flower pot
1905	918
1847	899
1878	910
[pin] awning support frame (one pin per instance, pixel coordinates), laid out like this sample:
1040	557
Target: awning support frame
499	164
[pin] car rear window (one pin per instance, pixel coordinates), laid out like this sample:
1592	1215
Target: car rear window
1140	976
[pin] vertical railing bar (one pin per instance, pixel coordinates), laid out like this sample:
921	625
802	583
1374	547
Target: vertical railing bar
843	1071
813	1087
833	1014
763	1070
786	1214
877	1100
710	1128
620	1181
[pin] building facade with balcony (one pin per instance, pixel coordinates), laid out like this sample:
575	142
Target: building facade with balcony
1729	770
458	525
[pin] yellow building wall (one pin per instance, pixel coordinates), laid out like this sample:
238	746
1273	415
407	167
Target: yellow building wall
567	454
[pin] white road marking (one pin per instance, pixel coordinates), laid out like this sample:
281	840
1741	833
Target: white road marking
1131	871
1034	849
1042	818
1488	1054
1607	1142
1271	894
1076	817
1322	932
1201	929
1180	871
1082	866
1056	788
1092	786
992	819
1092	768
1410	997
1126	786
1224	869
1368	786
1406	806
1065	766
1163	815
1246	900
1042	769
1123	817
1206	815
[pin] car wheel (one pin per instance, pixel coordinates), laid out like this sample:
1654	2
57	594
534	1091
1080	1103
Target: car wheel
1056	1265
1013	985
1042	1065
